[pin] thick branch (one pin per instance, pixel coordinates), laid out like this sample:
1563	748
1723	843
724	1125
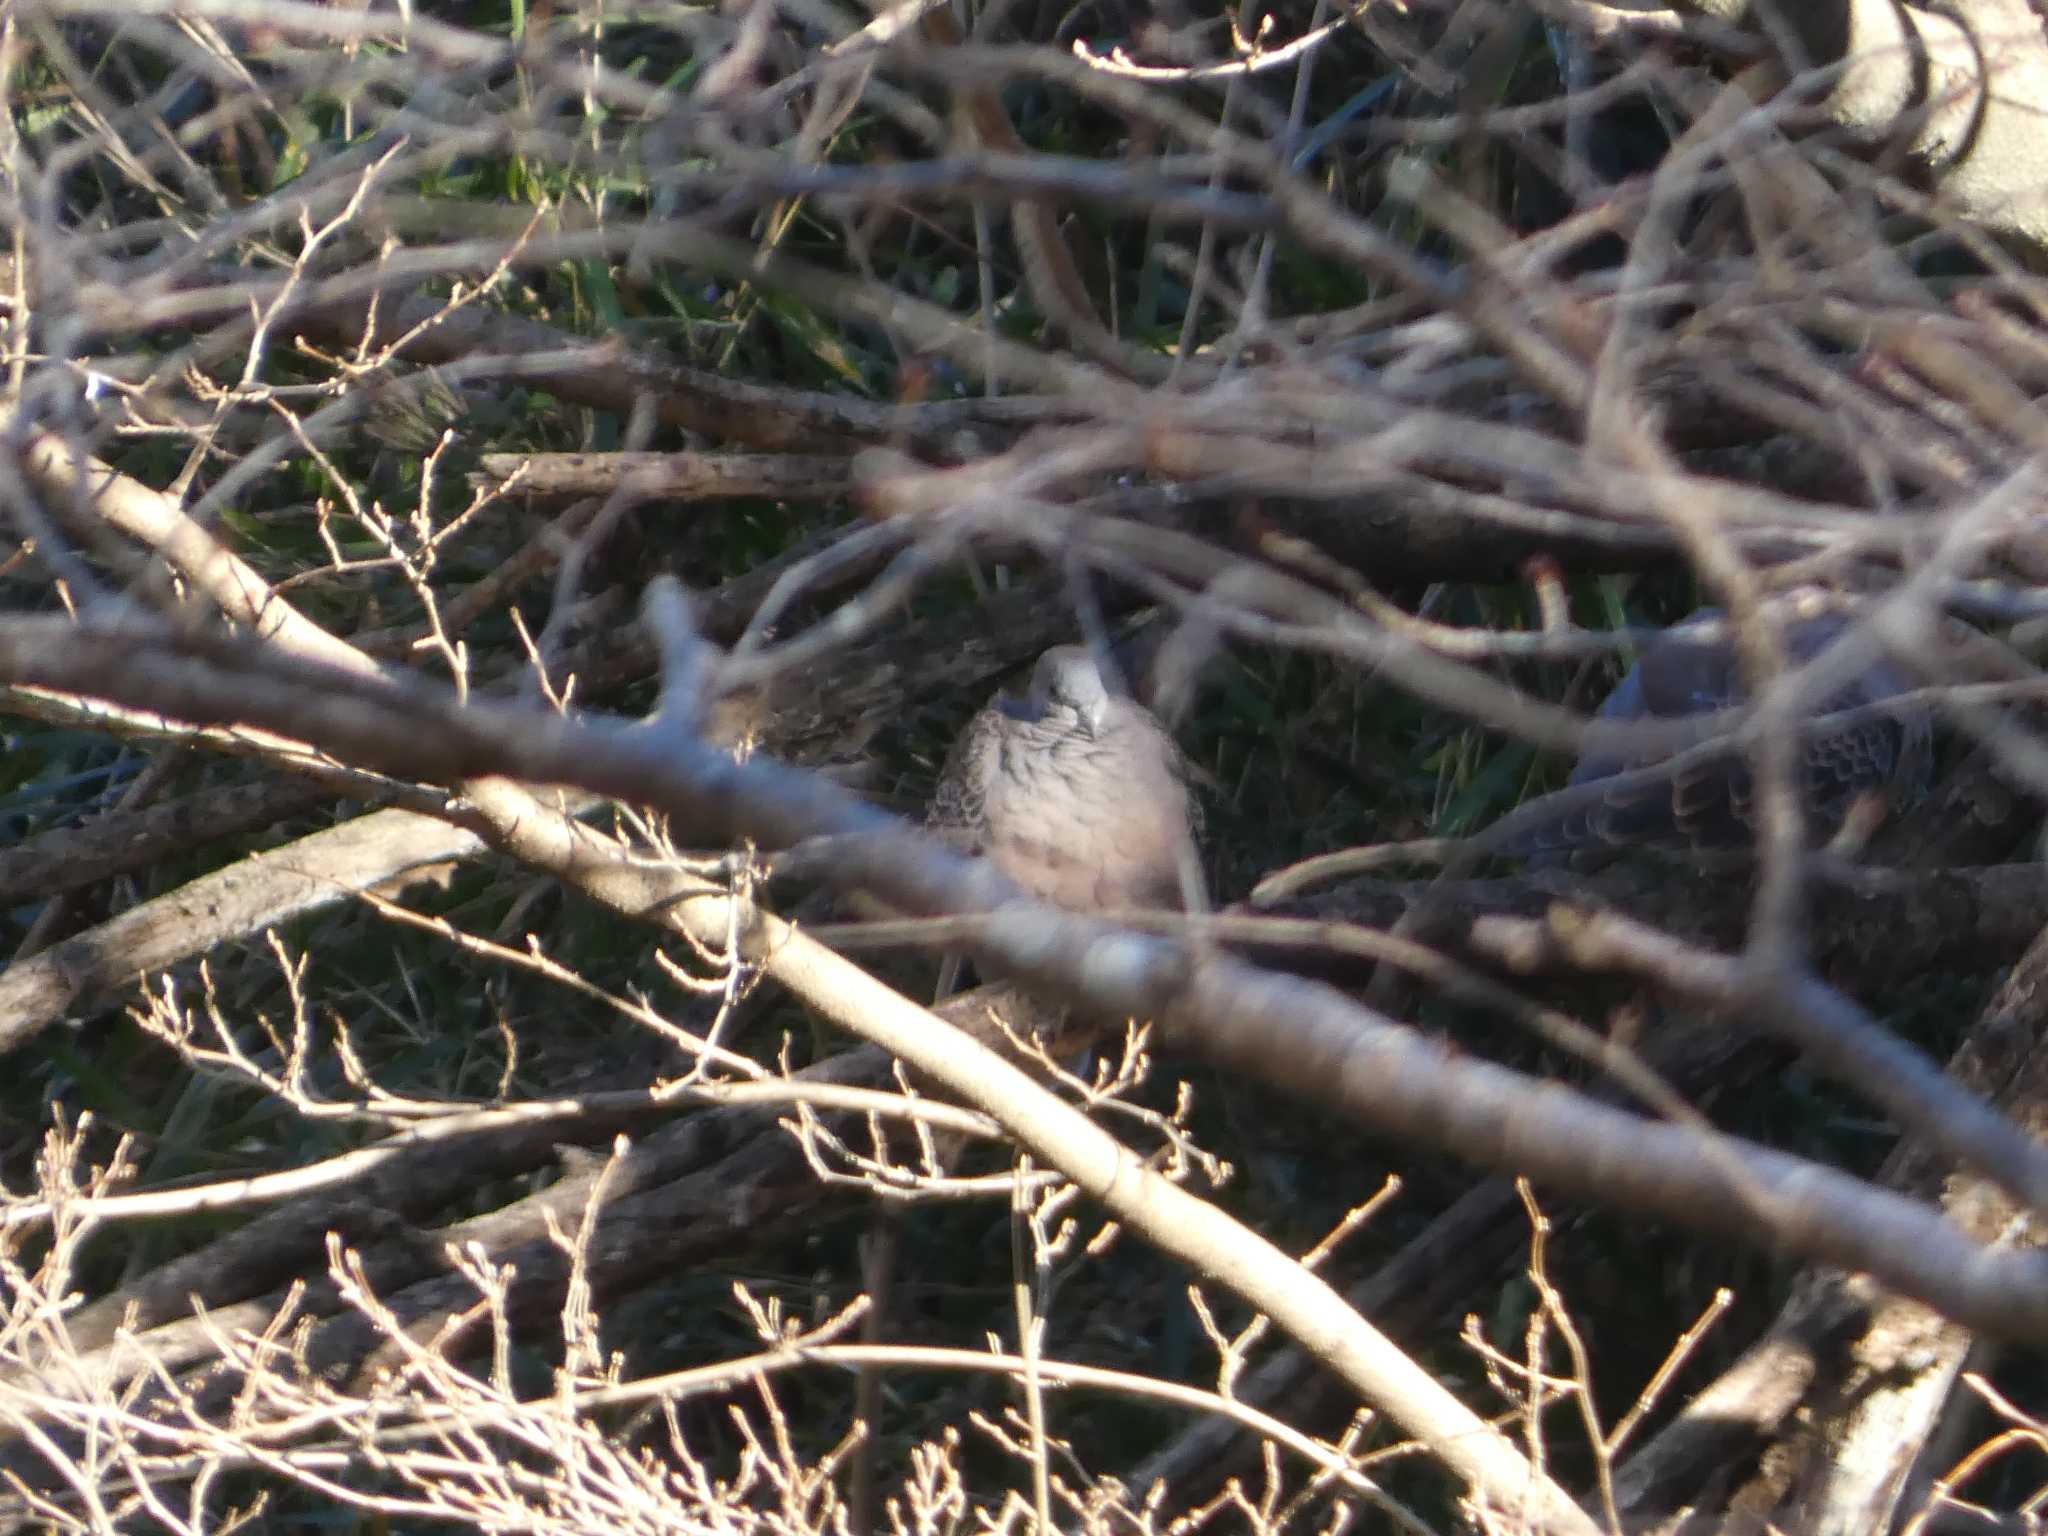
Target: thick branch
673	476
1884	927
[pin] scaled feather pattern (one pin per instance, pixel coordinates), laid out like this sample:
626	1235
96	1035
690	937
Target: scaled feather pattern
1077	794
1692	669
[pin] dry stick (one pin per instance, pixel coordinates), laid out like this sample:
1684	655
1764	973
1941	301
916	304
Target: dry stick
1614	411
1920	1097
1469	1237
1242	25
1400	524
1450	541
309	875
879	1250
1776	938
689	1164
275	1246
617	377
66	858
1060	1374
1784	187
1375	440
438	1132
135	799
733	1191
1617	434
679	476
71	711
1256	309
156	520
1263	604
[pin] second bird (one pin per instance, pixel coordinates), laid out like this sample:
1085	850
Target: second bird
1691	669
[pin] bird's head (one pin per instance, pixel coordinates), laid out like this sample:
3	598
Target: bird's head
1067	680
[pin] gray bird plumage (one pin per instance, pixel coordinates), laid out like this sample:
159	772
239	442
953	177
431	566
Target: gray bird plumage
1692	669
1077	794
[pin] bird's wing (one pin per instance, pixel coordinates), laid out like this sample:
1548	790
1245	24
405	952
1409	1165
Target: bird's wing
959	807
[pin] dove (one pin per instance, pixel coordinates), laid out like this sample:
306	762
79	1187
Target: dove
1692	669
1077	794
